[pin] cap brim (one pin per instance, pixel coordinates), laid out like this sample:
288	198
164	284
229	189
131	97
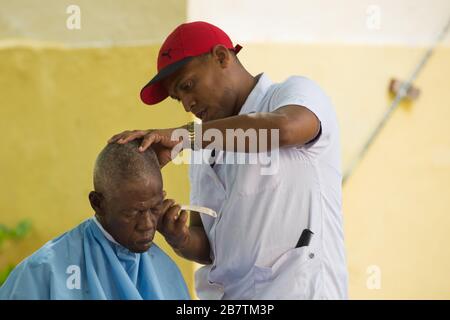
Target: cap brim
153	92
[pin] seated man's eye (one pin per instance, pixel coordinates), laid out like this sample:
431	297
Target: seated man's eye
157	210
131	214
187	85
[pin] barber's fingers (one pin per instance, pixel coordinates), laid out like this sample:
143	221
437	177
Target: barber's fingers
148	140
118	136
130	136
170	141
127	136
160	138
114	138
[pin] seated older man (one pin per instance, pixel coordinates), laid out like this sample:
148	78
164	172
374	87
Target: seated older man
111	255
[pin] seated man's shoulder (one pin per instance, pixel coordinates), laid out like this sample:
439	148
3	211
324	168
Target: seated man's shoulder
32	277
68	243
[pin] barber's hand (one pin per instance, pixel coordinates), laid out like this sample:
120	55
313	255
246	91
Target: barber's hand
159	139
173	225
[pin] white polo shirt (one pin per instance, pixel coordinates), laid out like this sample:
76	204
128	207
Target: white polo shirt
261	216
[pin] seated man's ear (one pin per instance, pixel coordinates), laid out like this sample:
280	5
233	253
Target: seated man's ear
96	199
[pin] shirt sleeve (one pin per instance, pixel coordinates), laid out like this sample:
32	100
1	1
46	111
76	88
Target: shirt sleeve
304	92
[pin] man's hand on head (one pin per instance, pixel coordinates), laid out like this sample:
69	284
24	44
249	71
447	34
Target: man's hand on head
160	140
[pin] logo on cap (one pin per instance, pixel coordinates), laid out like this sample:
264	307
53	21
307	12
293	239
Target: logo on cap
167	54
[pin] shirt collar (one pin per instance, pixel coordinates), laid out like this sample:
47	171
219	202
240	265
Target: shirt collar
105	233
257	94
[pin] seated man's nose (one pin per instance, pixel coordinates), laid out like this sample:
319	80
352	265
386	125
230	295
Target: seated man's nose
146	222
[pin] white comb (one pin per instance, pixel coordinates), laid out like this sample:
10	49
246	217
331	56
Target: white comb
208	211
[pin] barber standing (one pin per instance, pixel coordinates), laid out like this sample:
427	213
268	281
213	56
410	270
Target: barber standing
277	235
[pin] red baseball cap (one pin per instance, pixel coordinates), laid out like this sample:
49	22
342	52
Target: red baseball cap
185	42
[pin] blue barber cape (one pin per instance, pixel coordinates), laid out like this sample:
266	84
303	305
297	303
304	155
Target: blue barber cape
83	264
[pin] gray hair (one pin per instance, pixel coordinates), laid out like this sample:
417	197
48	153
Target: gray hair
123	162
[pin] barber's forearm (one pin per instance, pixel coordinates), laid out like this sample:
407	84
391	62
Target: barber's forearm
197	249
244	132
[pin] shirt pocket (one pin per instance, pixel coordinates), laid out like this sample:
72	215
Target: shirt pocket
295	275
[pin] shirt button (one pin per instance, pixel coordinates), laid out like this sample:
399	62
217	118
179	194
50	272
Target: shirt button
311	255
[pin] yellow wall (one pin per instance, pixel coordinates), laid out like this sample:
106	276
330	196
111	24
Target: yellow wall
102	21
397	202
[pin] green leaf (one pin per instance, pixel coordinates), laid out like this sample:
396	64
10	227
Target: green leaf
22	229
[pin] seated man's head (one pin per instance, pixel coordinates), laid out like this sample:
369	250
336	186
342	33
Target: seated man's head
128	194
